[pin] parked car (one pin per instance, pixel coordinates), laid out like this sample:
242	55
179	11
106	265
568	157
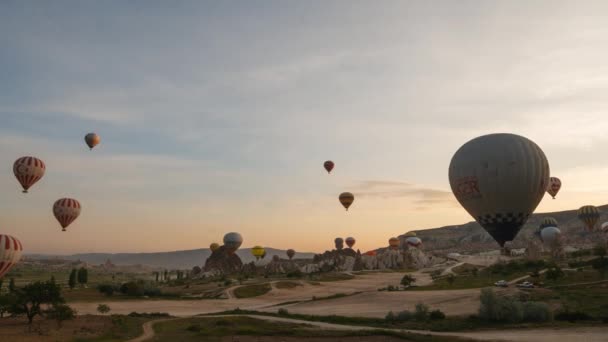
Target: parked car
501	283
526	285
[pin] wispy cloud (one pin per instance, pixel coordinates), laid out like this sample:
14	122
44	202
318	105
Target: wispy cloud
421	196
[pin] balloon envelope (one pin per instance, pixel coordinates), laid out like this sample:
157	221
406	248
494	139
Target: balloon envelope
28	171
393	242
589	215
66	210
290	253
548	222
499	179
257	251
10	253
214	247
346	198
554	185
339	243
328	165
550	234
92	140
413	241
232	241
350	241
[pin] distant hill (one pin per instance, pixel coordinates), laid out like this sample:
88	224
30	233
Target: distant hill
471	237
170	260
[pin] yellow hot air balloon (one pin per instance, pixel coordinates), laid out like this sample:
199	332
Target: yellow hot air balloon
589	215
258	251
346	198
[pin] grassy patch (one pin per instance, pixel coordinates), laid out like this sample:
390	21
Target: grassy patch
330	276
213	328
250	291
286	285
122	328
465	269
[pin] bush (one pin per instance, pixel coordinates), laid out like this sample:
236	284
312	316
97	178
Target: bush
103	309
499	309
60	313
390	317
436	315
572	316
283	312
194	328
132	289
536	312
107	289
404	316
422	312
295	274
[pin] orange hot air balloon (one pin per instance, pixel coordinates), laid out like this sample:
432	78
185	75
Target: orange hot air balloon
10	253
214	247
92	140
554	185
28	171
290	253
66	210
346	198
328	165
393	243
350	241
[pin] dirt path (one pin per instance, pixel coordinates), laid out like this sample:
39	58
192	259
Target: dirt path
148	329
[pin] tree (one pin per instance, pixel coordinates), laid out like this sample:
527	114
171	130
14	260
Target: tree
475	272
72	281
422	312
29	299
83	276
599	250
6	302
554	273
107	289
601	265
60	312
11	285
407	280
103	309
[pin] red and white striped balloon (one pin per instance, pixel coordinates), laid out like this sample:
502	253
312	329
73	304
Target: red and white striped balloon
66	210
28	171
10	253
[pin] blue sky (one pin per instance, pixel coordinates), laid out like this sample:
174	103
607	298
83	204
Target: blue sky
216	116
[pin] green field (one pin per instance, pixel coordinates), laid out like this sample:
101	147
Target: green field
250	291
214	328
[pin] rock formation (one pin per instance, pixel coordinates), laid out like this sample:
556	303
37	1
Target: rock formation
223	261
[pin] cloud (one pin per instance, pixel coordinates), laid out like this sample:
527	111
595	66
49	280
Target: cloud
421	196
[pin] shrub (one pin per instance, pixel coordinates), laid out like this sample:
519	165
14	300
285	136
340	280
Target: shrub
107	289
499	309
283	312
60	313
536	312
404	316
194	328
572	316
422	312
390	317
132	289
436	315
103	309
295	274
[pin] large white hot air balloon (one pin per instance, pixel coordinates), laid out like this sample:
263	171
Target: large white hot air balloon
550	234
232	241
499	179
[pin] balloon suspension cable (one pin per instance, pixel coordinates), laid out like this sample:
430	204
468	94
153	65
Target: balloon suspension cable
24	191
63	230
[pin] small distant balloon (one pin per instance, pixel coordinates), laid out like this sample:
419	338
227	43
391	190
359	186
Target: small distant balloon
232	241
214	247
258	252
550	234
339	243
589	215
413	241
28	171
554	185
410	234
10	253
290	253
350	241
92	140
328	165
393	243
346	198
66	210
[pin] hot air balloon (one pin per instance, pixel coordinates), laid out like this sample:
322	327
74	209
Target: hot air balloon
28	171
214	247
257	252
92	140
589	215
549	235
393	243
350	241
410	234
328	165
232	241
290	253
499	179
66	210
346	198
554	185
413	241
10	253
339	243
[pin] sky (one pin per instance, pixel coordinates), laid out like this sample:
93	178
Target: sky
217	116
